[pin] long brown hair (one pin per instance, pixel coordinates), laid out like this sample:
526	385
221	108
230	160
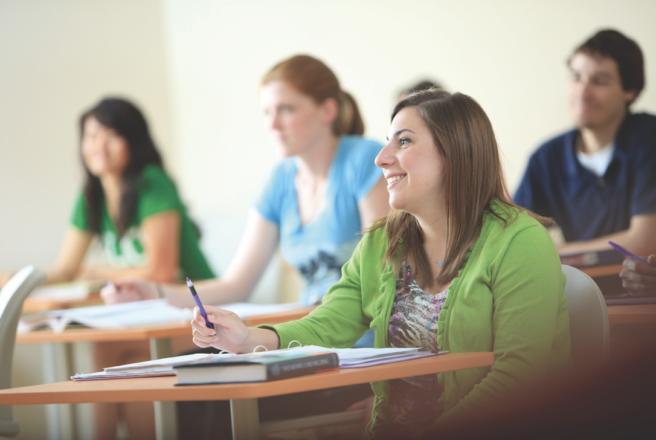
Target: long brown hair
472	179
313	78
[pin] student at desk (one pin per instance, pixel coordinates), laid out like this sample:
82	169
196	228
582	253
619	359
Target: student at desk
456	266
131	204
319	199
597	181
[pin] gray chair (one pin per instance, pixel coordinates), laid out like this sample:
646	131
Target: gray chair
12	296
588	317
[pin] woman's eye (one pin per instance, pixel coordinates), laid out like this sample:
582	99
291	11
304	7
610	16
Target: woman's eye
404	141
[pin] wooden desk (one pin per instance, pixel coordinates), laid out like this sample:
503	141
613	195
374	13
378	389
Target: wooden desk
632	329
159	339
243	397
632	315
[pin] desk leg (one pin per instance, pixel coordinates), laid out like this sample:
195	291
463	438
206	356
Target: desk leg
245	419
165	417
58	367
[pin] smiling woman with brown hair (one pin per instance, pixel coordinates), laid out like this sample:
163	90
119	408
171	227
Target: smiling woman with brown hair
455	266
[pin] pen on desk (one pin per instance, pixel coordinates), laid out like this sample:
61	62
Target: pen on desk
626	252
198	302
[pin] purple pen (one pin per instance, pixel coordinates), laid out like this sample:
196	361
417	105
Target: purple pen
203	313
626	252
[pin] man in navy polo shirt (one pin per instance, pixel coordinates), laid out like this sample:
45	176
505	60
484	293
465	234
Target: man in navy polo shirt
598	181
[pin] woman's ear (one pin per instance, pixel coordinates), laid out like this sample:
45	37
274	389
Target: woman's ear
330	110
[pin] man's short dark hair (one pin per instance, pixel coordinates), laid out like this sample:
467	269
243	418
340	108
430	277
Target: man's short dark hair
624	51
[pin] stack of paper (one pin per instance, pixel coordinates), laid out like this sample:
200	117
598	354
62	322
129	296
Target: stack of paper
365	357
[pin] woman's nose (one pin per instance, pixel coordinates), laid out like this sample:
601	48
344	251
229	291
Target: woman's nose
384	157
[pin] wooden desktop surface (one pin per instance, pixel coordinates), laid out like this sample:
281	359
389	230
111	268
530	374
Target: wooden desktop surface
163	388
172	330
632	315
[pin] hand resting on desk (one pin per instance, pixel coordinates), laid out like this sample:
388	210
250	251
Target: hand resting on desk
638	277
229	333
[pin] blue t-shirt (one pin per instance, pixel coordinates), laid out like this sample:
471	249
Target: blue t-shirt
318	249
585	205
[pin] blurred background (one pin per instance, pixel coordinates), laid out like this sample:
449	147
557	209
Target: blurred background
194	69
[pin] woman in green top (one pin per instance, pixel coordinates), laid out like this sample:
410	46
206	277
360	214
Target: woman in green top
456	266
130	203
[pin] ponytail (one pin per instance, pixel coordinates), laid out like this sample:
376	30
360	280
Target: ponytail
349	120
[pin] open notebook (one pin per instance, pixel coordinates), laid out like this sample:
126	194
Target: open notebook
347	358
135	314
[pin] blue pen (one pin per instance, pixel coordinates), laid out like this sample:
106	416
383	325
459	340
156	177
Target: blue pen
626	252
203	313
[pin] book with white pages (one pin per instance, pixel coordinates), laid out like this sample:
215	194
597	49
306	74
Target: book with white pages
347	358
135	314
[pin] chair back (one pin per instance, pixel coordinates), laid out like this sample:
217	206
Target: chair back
588	317
12	296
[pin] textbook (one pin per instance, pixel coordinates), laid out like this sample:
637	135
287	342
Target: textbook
256	367
346	358
134	314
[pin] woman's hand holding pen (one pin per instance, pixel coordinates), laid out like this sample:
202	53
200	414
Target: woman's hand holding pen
127	291
229	333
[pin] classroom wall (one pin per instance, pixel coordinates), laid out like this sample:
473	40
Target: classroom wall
194	68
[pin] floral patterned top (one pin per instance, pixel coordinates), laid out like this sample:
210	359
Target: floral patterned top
413	323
